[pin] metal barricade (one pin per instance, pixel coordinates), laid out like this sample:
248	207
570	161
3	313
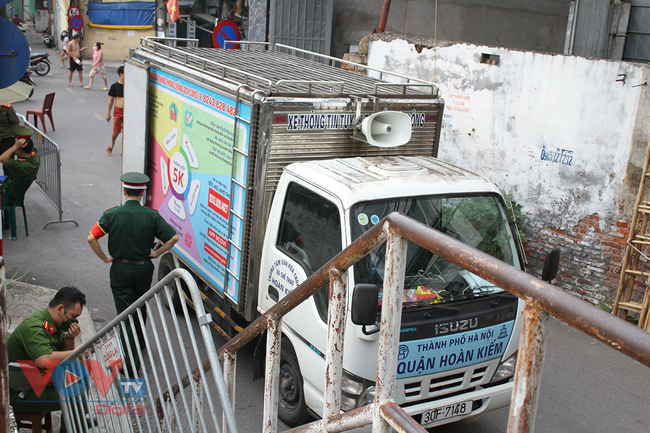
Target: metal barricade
114	395
49	175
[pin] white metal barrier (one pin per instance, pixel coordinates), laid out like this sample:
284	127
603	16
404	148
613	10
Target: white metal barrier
49	175
110	397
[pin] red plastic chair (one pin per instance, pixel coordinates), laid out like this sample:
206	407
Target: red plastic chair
47	109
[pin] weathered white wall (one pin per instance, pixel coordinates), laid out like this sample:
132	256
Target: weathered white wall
500	120
510	121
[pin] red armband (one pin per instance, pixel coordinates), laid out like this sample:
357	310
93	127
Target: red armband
97	232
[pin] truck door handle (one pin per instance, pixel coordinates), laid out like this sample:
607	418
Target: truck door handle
273	294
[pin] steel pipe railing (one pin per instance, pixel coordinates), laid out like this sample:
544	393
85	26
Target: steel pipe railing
543	300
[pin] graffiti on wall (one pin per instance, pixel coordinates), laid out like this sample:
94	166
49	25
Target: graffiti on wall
557	155
447	121
457	102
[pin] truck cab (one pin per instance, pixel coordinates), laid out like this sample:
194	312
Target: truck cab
459	333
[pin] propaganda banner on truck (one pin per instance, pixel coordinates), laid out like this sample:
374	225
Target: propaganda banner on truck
196	176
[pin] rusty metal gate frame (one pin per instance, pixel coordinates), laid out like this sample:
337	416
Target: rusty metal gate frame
542	300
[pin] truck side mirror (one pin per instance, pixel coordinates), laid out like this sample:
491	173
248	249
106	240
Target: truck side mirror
365	305
551	265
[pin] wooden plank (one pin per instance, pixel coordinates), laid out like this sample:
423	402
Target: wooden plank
639	273
630	306
640	201
643	316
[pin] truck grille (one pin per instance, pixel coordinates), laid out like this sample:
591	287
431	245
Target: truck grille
440	385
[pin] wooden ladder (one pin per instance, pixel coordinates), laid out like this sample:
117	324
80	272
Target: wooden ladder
635	271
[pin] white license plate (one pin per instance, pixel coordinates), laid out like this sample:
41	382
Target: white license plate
444	412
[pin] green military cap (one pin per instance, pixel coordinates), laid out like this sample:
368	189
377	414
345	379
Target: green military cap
134	180
21	131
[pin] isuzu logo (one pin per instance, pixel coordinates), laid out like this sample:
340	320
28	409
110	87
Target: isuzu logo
455	326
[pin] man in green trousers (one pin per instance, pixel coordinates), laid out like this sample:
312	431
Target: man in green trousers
132	230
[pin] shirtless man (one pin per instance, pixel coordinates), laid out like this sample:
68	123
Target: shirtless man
116	96
74	53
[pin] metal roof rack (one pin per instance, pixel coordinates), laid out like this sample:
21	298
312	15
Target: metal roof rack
284	70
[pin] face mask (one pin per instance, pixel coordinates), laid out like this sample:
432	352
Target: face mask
65	326
95	48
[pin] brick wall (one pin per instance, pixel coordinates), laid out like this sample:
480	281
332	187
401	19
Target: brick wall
590	259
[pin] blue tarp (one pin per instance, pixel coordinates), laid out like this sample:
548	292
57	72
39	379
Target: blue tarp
122	14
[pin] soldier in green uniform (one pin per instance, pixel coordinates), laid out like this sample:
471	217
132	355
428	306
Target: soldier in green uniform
8	118
132	230
26	162
47	335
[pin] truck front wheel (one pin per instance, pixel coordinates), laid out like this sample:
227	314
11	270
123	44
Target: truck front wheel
165	266
292	409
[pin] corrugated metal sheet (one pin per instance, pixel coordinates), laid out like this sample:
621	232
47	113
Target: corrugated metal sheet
243	303
591	29
289	146
305	24
637	44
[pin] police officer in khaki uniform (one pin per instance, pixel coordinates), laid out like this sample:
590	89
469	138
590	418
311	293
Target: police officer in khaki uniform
132	230
47	335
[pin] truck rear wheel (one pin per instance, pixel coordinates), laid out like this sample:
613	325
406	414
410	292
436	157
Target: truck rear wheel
165	266
292	409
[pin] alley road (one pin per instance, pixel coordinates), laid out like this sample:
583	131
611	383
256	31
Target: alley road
586	387
60	255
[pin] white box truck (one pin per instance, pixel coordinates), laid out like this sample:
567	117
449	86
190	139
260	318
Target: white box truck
257	162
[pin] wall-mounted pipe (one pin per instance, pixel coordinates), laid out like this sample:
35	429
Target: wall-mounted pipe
384	17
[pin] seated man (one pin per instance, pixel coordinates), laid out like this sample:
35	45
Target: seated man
26	162
47	335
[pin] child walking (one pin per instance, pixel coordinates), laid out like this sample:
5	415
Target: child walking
97	66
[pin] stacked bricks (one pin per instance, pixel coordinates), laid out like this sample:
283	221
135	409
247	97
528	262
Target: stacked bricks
590	261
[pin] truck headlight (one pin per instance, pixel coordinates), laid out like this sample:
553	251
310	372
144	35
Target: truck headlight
351	384
368	397
506	369
355	391
348	403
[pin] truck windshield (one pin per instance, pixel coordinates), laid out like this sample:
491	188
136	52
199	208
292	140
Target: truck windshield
479	221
